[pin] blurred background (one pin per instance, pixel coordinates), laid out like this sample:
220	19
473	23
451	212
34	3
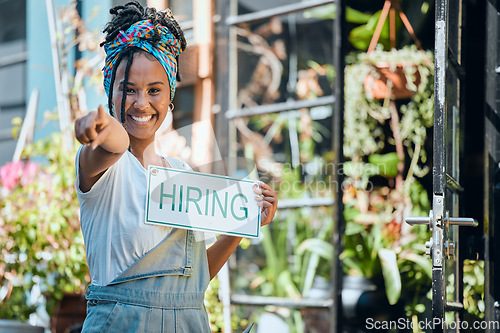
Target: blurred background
300	94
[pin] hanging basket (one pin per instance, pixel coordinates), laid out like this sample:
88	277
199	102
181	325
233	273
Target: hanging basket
389	81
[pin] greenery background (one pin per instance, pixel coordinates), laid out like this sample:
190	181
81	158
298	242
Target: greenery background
42	247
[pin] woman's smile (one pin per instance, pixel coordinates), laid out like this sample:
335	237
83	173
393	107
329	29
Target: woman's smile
142	119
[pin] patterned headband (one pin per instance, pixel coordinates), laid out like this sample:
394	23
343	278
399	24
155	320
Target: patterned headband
141	35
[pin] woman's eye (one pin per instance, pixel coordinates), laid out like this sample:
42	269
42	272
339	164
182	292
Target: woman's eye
130	91
154	91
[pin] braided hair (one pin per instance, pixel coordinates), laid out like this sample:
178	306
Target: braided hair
123	17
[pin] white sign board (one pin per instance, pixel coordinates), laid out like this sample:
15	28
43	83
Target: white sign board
198	201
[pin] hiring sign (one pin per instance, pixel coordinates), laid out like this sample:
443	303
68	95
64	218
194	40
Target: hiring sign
198	201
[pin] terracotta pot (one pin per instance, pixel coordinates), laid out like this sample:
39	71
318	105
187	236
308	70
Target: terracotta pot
399	90
69	313
317	320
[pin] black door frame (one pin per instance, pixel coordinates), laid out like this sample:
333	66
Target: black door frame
492	166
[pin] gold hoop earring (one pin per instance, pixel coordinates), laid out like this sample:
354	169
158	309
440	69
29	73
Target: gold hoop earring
171	106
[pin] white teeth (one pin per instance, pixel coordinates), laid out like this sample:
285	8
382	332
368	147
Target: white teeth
142	119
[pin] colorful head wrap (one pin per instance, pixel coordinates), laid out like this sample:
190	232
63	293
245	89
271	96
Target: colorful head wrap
141	35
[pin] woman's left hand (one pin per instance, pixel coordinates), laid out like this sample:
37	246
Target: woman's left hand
267	200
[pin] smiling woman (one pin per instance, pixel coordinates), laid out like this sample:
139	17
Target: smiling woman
144	277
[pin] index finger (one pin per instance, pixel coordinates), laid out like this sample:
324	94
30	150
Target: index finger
101	114
100	138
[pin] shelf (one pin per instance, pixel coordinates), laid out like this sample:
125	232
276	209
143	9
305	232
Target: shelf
279	107
281	301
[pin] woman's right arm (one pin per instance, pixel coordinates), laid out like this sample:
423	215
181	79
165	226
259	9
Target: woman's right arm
105	141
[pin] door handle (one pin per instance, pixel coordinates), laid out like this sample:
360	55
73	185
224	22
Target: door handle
413	220
448	247
417	220
460	221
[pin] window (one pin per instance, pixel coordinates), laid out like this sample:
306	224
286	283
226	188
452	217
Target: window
12	71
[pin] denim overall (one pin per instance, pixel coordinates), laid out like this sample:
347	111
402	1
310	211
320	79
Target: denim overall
161	292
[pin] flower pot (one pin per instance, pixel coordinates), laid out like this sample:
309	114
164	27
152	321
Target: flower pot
363	300
317	320
377	85
70	312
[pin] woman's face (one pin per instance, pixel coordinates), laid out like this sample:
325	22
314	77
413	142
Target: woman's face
148	95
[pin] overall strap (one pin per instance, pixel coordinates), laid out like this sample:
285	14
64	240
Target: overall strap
156	262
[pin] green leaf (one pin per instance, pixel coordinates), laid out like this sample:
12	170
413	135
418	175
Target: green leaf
360	37
390	271
385	33
351	213
316	246
424	199
310	273
347	253
387	164
270	251
355	16
352	228
327	12
351	266
285	283
16	121
420	260
357	170
420	308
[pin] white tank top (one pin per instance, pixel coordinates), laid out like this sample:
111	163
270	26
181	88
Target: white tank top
112	218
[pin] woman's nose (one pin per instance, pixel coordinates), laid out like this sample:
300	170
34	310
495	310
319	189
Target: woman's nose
141	101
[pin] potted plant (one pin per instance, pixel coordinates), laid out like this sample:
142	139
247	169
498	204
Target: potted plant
365	115
396	74
43	256
384	260
385	129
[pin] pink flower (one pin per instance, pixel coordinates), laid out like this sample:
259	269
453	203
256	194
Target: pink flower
15	173
29	173
10	174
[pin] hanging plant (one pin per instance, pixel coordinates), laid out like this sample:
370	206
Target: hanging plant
388	110
365	114
396	74
392	76
392	80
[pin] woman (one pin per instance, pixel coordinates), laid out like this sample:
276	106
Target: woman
144	278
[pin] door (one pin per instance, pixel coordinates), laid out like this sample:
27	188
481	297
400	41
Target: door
492	166
449	81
